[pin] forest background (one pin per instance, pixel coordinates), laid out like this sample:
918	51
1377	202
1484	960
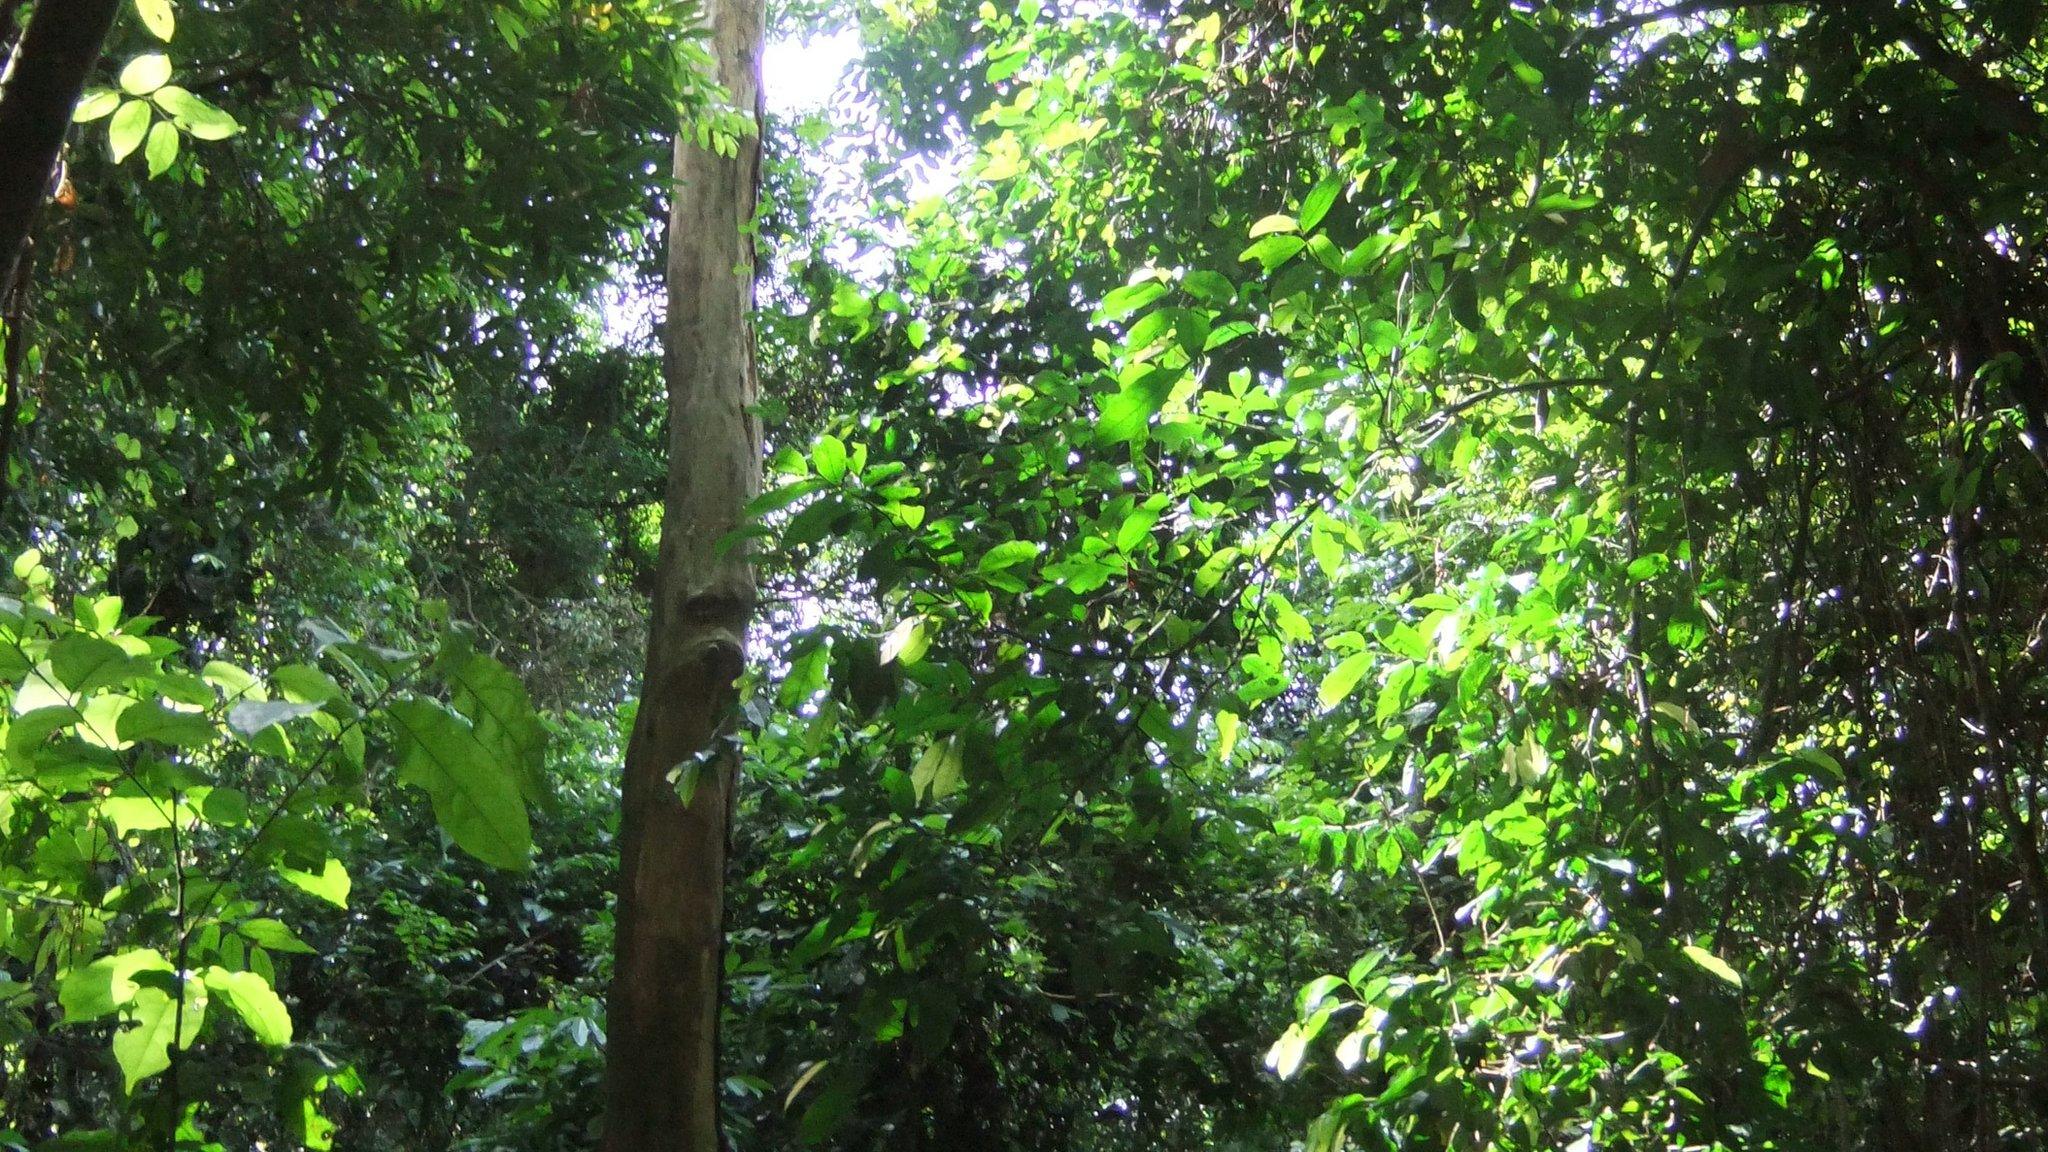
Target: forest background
1393	574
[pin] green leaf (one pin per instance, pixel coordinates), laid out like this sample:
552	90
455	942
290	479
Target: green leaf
1228	725
776	499
1316	991
1273	251
145	74
1126	414
331	883
1278	222
97	103
157	17
908	641
1351	1049
1342	679
1528	762
1224	334
156	1022
1327	548
234	682
130	814
162	148
305	684
1388	856
686	776
249	717
1129	299
153	721
1464	301
501	714
1822	760
31	728
107	984
126	130
1285	1057
940	771
252	998
1645	568
829	457
1319	200
225	807
1137	526
1714	965
510	26
203	120
476	799
274	935
1009	554
1560	202
83	663
1208	287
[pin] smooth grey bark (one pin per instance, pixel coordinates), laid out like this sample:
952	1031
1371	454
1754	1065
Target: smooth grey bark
662	1036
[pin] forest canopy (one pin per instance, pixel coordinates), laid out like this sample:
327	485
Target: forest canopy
1132	574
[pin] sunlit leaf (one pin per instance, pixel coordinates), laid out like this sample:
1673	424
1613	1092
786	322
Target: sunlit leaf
98	103
107	984
194	114
1126	414
158	17
1714	965
907	641
145	74
252	998
1276	223
1339	683
1318	202
155	1022
331	883
161	149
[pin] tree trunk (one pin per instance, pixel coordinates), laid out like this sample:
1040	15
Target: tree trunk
44	78
662	1050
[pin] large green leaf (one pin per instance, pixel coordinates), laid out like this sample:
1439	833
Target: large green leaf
194	114
252	998
1343	679
1127	412
107	984
331	883
476	796
500	714
1128	299
156	1022
1009	554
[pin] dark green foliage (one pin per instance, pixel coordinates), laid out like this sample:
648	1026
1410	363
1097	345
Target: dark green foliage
1405	574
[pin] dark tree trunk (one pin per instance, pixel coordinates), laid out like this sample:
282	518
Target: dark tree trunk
662	1036
44	79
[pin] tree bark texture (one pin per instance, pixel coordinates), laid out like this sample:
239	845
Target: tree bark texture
44	78
662	1035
